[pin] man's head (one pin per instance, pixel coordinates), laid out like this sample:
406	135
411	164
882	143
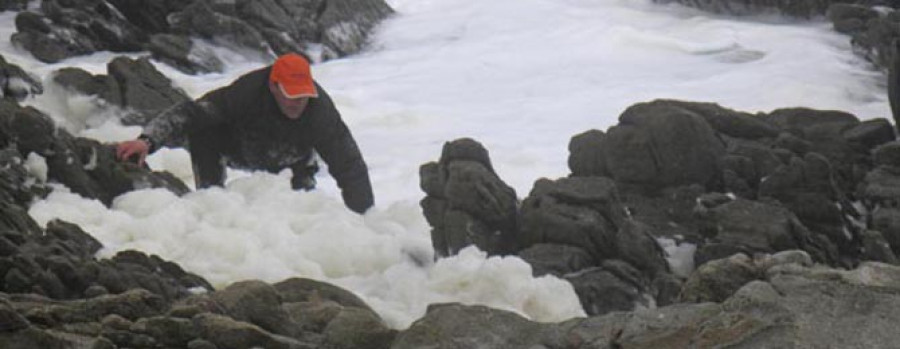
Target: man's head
291	84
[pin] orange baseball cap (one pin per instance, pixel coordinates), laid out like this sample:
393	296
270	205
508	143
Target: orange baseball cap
291	73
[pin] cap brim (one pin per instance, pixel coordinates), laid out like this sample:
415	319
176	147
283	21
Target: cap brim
300	92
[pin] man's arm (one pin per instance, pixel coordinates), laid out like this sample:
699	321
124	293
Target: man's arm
172	126
345	163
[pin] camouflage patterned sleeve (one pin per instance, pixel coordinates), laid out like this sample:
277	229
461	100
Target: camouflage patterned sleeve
170	128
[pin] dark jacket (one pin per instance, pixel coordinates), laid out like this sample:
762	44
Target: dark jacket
265	139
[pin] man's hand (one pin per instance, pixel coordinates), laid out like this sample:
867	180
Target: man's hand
125	150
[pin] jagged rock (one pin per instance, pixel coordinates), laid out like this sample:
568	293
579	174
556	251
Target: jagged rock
602	291
345	23
718	280
357	328
876	248
312	316
49	44
871	133
75	27
305	290
579	211
150	16
173	332
730	122
850	18
258	303
27	127
586	154
226	333
17	185
556	259
31	338
10	320
887	221
749	226
669	213
460	326
136	84
807	187
796	8
661	144
183	54
786	310
199	18
637	246
467	202
17	84
13	5
133	304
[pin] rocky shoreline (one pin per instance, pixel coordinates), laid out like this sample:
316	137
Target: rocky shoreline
794	213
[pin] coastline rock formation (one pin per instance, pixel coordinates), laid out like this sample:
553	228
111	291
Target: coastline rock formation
179	33
730	183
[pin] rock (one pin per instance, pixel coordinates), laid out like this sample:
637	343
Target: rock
345	24
555	259
226	333
661	144
10	320
357	328
600	292
313	316
757	227
305	290
888	155
467	203
173	332
586	156
887	221
31	338
183	54
258	303
149	16
876	248
75	27
556	212
461	326
133	304
718	280
13	5
136	84
795	8
637	246
730	122
850	18
17	84
871	133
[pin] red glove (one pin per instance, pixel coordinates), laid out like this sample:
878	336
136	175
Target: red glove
125	150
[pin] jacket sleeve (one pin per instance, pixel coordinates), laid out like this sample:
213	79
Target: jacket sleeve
171	127
338	149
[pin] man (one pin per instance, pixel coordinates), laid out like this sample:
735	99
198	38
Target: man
269	119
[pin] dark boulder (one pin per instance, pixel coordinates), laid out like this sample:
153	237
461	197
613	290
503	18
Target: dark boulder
795	8
184	54
602	291
467	203
258	303
76	27
17	84
662	144
580	211
556	259
749	226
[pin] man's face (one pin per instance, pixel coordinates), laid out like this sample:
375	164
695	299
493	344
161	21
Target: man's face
290	107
